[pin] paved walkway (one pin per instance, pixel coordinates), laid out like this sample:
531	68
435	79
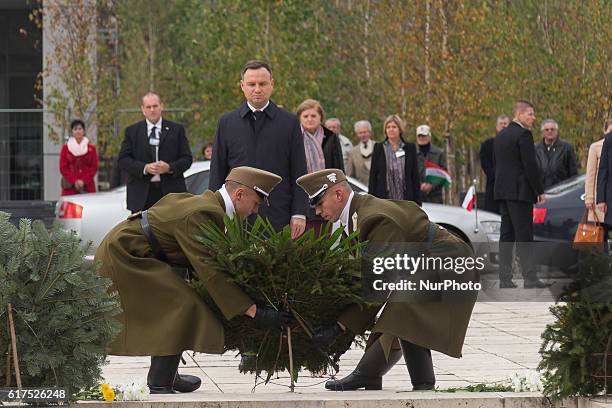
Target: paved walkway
503	338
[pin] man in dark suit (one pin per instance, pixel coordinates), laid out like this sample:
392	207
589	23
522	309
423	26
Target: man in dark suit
262	135
488	165
604	179
154	153
517	187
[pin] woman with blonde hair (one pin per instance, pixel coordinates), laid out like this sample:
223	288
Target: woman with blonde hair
394	172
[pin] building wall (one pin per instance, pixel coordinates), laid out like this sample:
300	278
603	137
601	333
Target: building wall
52	33
21	136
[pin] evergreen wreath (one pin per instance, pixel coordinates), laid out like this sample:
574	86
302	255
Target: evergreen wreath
576	343
62	312
315	278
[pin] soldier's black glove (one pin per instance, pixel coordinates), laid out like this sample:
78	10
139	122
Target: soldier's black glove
326	336
268	317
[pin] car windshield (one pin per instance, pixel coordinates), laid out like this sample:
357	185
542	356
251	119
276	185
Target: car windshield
567	185
197	183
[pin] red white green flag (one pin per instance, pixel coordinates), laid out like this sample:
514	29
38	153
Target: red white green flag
435	174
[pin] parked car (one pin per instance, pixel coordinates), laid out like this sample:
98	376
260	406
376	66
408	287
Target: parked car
557	219
555	223
92	216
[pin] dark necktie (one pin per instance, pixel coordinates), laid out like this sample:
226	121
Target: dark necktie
153	142
344	234
258	119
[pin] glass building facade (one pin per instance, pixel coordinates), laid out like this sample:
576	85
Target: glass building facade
21	116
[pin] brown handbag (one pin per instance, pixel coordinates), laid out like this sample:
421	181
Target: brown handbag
588	235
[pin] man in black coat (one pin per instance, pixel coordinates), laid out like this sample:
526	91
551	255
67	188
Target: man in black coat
488	165
517	187
555	156
262	135
154	153
604	181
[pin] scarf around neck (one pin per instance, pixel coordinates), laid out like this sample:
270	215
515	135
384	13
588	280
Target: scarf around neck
367	149
313	146
77	149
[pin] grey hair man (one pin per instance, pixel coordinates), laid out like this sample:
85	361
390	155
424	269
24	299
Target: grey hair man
361	157
335	126
556	157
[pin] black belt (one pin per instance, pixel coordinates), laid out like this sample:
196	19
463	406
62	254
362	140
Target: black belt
153	243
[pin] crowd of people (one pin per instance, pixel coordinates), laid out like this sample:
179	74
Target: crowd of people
296	163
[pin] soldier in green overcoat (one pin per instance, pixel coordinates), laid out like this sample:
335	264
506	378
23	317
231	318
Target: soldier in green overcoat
162	315
423	321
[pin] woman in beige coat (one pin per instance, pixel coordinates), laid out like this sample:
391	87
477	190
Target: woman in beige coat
590	184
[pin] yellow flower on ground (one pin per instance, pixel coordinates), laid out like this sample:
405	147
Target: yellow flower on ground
108	394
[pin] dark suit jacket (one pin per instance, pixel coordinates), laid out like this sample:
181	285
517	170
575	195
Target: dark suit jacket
604	182
278	147
378	173
517	175
332	150
136	152
488	166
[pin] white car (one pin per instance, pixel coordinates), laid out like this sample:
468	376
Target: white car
93	215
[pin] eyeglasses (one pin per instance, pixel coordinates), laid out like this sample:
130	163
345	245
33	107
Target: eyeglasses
550	130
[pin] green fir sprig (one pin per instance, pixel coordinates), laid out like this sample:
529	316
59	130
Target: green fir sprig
314	277
575	343
62	310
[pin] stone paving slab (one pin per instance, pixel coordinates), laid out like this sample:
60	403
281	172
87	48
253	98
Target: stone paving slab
503	338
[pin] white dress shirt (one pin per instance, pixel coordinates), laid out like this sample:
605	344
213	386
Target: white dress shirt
253	109
229	206
343	221
157	126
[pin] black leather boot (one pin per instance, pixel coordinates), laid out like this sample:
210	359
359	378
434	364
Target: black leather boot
186	383
162	373
420	366
369	371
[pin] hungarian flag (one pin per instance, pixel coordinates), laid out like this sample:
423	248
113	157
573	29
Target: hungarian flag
435	174
470	197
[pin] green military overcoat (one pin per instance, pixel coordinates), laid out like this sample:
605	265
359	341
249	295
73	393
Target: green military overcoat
162	315
439	323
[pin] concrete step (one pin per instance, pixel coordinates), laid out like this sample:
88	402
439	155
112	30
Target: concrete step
354	399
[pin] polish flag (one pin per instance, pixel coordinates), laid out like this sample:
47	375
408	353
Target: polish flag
470	198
